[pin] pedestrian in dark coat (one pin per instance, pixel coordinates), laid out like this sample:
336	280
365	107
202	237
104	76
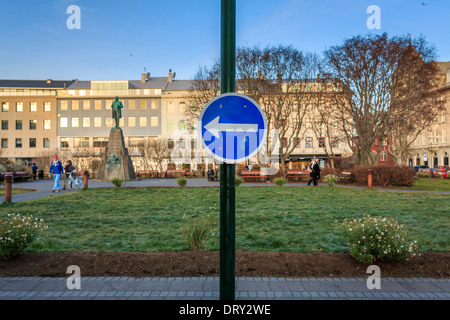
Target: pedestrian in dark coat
315	173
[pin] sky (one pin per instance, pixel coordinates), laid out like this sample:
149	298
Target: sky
119	40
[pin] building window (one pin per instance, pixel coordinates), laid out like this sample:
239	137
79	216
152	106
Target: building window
75	104
97	104
182	107
100	142
297	142
170	125
46	143
284	142
47	106
136	142
131	104
81	142
97	122
64	105
5	106
18	124
4	124
143	104
75	122
19	107
32	142
309	142
109	122
383	155
131	121
170	144
86	104
154	104
33	106
321	141
86	122
154	121
142	121
63	122
4	143
64	142
47	124
18	142
33	124
334	142
181	125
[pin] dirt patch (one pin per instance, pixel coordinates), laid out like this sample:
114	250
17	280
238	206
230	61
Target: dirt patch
206	263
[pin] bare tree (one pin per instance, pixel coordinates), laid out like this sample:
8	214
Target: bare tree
373	78
282	80
416	99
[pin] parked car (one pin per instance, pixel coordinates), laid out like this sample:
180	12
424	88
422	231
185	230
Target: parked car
430	171
441	168
419	168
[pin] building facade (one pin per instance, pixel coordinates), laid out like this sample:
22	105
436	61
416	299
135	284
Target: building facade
432	147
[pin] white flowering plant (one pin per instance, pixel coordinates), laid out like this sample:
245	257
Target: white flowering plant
378	239
17	232
330	179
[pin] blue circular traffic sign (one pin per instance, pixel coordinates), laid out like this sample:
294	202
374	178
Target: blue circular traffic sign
232	127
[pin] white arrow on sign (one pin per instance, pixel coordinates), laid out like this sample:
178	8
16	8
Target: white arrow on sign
214	127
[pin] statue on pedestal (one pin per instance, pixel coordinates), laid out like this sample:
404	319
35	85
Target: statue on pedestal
116	112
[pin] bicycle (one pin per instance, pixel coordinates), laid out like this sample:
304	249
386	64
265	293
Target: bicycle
74	180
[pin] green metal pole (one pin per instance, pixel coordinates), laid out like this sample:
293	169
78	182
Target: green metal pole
227	171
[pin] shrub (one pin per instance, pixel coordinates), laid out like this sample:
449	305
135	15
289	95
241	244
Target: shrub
279	181
330	179
182	181
17	232
195	230
376	239
423	175
117	182
237	181
385	175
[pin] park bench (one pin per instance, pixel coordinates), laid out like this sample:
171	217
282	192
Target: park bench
3	174
175	173
296	174
148	173
22	176
345	177
253	176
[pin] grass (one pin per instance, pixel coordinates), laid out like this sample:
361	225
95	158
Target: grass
267	219
15	191
432	184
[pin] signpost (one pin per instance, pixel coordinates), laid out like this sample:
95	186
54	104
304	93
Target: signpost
233	128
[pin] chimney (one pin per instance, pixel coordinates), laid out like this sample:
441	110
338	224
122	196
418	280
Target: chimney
49	81
142	77
170	75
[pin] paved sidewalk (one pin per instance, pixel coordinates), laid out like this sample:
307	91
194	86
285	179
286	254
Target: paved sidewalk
207	288
43	187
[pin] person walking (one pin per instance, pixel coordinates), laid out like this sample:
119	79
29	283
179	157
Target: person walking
34	168
68	168
315	173
56	169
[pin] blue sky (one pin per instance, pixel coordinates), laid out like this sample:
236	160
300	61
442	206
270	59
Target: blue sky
118	39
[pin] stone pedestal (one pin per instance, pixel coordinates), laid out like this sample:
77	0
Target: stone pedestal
116	162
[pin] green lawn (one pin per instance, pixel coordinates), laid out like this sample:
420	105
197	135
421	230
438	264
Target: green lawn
267	218
432	184
15	191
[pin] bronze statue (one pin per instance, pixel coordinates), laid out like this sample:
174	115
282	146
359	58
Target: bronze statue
116	112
